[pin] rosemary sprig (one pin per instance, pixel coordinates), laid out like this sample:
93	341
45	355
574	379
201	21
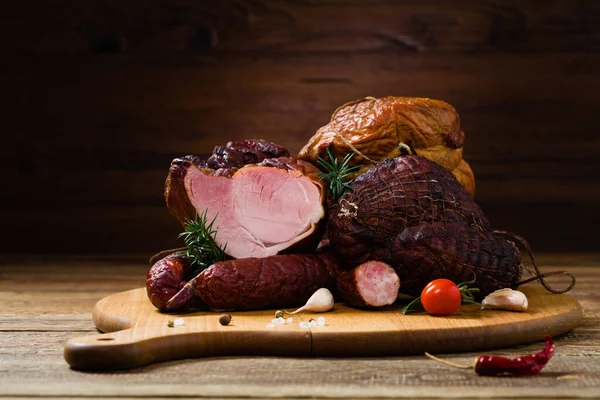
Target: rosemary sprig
199	240
336	172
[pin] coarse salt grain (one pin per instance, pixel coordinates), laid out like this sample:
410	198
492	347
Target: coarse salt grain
270	325
312	323
179	322
289	320
321	321
305	325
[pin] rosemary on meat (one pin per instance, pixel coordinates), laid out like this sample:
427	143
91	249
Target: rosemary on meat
336	172
199	239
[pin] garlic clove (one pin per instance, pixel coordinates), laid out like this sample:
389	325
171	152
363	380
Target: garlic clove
321	301
505	299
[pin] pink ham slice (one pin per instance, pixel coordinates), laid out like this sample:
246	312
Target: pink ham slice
260	210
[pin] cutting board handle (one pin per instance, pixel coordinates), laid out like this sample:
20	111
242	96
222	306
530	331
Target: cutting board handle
135	347
116	350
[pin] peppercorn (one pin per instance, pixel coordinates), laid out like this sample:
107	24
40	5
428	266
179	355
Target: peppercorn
225	319
278	314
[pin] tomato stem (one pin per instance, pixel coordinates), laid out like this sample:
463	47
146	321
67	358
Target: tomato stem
467	294
414	302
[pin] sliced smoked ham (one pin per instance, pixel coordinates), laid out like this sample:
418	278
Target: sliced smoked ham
260	209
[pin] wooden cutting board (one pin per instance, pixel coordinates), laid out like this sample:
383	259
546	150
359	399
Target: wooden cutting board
139	334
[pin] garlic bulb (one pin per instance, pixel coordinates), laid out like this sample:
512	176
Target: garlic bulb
505	299
320	301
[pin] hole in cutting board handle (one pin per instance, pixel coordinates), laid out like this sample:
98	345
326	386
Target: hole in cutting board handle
105	338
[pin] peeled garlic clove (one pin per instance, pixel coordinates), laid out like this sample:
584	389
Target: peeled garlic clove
505	299
320	301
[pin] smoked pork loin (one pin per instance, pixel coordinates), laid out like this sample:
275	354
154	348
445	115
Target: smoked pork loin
262	203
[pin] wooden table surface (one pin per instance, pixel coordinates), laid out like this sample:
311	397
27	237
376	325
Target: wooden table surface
45	301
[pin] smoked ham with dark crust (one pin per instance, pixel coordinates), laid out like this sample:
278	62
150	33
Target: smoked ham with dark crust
374	129
412	214
238	154
224	161
259	209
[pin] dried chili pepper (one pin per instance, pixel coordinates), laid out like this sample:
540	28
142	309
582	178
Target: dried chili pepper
498	366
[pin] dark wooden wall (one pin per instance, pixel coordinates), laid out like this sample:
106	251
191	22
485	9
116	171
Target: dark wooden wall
99	96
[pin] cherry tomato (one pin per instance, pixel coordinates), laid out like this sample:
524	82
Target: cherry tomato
441	297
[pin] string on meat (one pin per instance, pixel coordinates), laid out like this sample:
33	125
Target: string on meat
537	275
346	141
347	212
335	131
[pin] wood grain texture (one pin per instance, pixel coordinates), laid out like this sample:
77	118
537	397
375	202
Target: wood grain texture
32	363
104	95
304	26
139	334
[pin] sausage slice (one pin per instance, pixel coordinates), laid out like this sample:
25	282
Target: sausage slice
372	284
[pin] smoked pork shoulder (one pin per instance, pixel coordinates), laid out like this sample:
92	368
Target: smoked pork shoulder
412	214
376	129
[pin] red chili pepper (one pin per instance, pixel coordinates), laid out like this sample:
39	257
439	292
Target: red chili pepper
497	366
525	365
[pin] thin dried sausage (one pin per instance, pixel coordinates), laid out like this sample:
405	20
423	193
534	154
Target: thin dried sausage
166	277
259	283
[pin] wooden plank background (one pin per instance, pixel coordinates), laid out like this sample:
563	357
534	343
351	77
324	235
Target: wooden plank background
101	95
